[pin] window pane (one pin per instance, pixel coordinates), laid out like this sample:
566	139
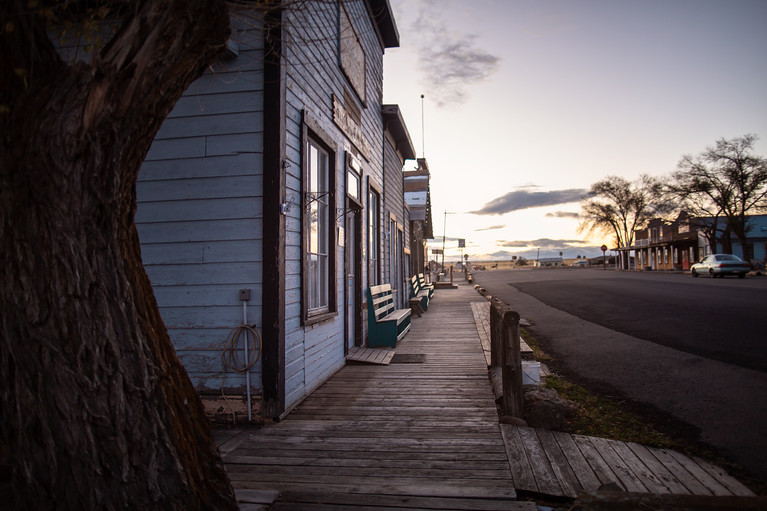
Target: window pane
314	228
313	169
322	247
312	283
318	225
323	281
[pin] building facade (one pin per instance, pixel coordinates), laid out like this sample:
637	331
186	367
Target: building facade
418	200
272	197
678	244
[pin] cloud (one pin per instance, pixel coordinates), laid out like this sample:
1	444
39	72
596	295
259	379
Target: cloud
525	199
450	62
491	228
531	253
542	243
438	239
563	214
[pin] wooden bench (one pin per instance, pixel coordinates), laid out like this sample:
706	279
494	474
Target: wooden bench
421	294
386	324
424	286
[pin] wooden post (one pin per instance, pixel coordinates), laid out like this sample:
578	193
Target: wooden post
496	337
512	365
504	352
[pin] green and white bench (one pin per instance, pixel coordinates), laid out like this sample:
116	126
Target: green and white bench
416	291
386	323
424	286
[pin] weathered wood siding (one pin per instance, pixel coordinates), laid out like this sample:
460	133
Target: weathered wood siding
313	76
393	204
200	208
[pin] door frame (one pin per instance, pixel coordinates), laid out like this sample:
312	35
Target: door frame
353	222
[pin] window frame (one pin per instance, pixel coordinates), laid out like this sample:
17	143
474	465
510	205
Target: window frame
374	235
314	136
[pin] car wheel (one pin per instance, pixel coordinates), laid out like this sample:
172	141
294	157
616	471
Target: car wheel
711	273
694	273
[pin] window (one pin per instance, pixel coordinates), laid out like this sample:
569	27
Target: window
319	229
374	237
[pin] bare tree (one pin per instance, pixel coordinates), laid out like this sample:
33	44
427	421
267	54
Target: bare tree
619	207
97	411
724	181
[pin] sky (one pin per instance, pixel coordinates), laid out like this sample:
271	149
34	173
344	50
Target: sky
527	103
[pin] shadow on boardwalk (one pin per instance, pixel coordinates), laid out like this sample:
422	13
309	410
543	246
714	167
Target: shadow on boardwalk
425	435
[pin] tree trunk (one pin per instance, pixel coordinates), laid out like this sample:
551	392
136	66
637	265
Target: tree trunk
97	411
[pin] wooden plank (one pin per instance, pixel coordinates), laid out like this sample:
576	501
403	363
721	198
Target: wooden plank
627	478
733	485
365	460
377	501
425	457
639	469
689	481
369	355
706	479
658	469
587	479
439	487
569	483
597	463
545	478
373	470
256	496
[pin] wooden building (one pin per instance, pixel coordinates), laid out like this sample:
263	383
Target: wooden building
418	199
273	196
678	244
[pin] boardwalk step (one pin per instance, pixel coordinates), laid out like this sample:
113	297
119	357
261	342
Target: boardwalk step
369	356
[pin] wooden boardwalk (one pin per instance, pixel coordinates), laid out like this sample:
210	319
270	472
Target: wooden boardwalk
427	431
422	433
554	463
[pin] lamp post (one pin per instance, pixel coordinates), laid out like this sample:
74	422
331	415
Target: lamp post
444	236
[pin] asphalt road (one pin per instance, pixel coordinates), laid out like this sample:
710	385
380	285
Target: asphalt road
693	348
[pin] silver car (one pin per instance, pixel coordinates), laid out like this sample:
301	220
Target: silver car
719	265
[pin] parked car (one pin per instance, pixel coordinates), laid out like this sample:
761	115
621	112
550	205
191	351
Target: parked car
719	265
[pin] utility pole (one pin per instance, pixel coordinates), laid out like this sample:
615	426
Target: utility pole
444	236
423	132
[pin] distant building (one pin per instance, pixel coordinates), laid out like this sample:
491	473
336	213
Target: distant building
418	199
678	244
549	262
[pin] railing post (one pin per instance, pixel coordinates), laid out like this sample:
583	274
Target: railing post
512	366
496	337
504	352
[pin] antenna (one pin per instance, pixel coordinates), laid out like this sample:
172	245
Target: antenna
423	132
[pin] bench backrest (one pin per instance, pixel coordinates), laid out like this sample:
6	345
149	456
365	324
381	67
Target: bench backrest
415	285
382	300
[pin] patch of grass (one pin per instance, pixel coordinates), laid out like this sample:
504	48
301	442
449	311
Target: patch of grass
604	417
538	353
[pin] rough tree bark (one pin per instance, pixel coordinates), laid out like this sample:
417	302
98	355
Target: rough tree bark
97	411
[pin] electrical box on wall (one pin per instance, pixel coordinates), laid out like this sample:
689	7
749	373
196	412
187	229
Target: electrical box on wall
245	295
